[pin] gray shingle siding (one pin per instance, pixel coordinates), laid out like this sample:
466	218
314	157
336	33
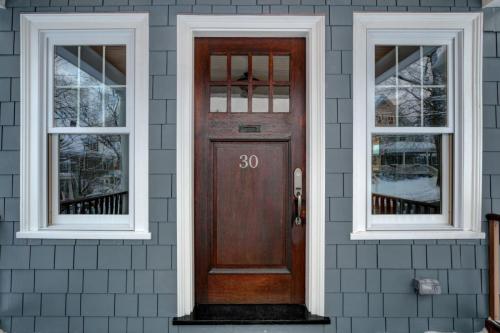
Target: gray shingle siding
51	286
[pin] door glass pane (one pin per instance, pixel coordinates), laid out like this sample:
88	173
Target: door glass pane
239	68
260	68
218	67
239	99
281	99
116	65
89	86
260	99
418	98
218	99
281	68
407	174
93	174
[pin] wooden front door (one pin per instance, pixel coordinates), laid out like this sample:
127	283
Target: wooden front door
250	126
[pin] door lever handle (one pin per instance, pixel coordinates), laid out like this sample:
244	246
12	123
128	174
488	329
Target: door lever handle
297	190
298	219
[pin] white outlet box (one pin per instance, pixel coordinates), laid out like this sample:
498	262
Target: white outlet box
2	4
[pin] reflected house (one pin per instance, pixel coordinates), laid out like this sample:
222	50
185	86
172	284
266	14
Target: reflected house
406	174
407	159
386	114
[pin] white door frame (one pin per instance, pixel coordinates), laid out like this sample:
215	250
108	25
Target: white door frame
313	29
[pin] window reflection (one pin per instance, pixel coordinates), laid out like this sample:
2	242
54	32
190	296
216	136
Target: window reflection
411	86
89	86
406	174
93	174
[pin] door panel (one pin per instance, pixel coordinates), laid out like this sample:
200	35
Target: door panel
251	203
249	137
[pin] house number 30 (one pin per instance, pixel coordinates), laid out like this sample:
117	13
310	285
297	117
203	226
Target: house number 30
251	161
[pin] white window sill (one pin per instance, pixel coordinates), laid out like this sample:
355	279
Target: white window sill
87	234
416	234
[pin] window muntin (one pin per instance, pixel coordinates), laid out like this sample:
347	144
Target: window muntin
410	134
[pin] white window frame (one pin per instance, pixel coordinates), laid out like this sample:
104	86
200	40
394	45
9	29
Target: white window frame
39	214
461	197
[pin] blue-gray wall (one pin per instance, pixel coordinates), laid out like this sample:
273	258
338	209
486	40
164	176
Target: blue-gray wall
129	286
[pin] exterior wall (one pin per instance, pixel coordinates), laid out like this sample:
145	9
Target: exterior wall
129	286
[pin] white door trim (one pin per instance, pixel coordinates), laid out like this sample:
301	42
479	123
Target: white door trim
313	29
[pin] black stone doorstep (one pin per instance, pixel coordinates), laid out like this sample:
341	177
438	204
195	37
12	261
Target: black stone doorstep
250	314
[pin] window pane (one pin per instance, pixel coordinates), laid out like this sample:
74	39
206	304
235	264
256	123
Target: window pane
406	174
91	65
218	68
409	65
239	68
409	107
65	66
93	174
260	99
239	99
435	62
65	103
260	68
418	98
91	114
385	106
218	99
385	65
281	99
116	65
435	107
90	86
115	99
281	68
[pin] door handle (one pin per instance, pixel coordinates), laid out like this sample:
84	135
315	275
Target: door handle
297	191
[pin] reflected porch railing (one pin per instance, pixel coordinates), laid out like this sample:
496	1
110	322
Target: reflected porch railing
385	204
113	203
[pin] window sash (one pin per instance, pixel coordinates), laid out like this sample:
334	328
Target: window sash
87	221
81	38
394	221
414	221
413	38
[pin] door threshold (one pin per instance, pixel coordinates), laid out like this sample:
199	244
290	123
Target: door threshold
250	314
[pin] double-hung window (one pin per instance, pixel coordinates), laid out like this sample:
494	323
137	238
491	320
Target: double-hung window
417	126
84	126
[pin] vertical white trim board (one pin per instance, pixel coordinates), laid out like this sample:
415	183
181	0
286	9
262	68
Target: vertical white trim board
313	29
